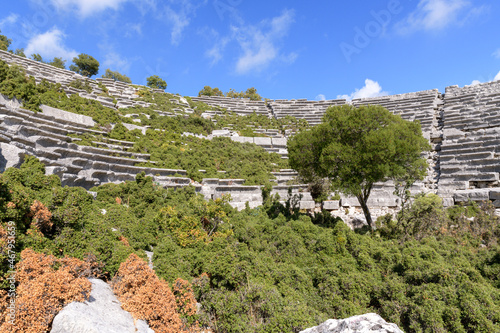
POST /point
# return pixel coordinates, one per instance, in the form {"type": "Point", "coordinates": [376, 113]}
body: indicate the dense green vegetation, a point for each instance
{"type": "Point", "coordinates": [272, 269]}
{"type": "Point", "coordinates": [156, 82]}
{"type": "Point", "coordinates": [85, 65]}
{"type": "Point", "coordinates": [250, 93]}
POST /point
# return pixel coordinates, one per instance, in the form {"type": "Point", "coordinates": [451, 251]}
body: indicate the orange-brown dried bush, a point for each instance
{"type": "Point", "coordinates": [41, 216]}
{"type": "Point", "coordinates": [144, 295]}
{"type": "Point", "coordinates": [184, 297]}
{"type": "Point", "coordinates": [45, 285]}
{"type": "Point", "coordinates": [3, 240]}
{"type": "Point", "coordinates": [124, 240]}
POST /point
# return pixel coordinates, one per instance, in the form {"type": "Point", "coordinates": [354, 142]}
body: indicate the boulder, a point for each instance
{"type": "Point", "coordinates": [369, 323]}
{"type": "Point", "coordinates": [101, 313]}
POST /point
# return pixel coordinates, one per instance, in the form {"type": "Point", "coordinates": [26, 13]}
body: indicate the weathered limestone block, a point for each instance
{"type": "Point", "coordinates": [10, 156]}
{"type": "Point", "coordinates": [495, 194]}
{"type": "Point", "coordinates": [331, 205]}
{"type": "Point", "coordinates": [262, 141]}
{"type": "Point", "coordinates": [101, 313]}
{"type": "Point", "coordinates": [305, 204]}
{"type": "Point", "coordinates": [131, 127]}
{"type": "Point", "coordinates": [218, 133]}
{"type": "Point", "coordinates": [473, 195]}
{"type": "Point", "coordinates": [367, 323]}
{"type": "Point", "coordinates": [279, 142]}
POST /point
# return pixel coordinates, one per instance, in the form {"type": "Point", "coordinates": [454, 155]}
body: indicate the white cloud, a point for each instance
{"type": "Point", "coordinates": [133, 29]}
{"type": "Point", "coordinates": [87, 7]}
{"type": "Point", "coordinates": [179, 16]}
{"type": "Point", "coordinates": [49, 45]}
{"type": "Point", "coordinates": [11, 19]}
{"type": "Point", "coordinates": [432, 15]}
{"type": "Point", "coordinates": [370, 89]}
{"type": "Point", "coordinates": [114, 61]}
{"type": "Point", "coordinates": [497, 77]}
{"type": "Point", "coordinates": [321, 97]}
{"type": "Point", "coordinates": [259, 44]}
{"type": "Point", "coordinates": [215, 53]}
{"type": "Point", "coordinates": [475, 82]}
{"type": "Point", "coordinates": [496, 54]}
{"type": "Point", "coordinates": [179, 22]}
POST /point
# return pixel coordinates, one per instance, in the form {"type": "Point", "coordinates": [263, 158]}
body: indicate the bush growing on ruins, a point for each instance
{"type": "Point", "coordinates": [58, 62]}
{"type": "Point", "coordinates": [156, 82]}
{"type": "Point", "coordinates": [20, 52]}
{"type": "Point", "coordinates": [116, 76]}
{"type": "Point", "coordinates": [208, 91]}
{"type": "Point", "coordinates": [14, 83]}
{"type": "Point", "coordinates": [357, 147]}
{"type": "Point", "coordinates": [85, 65]}
{"type": "Point", "coordinates": [250, 93]}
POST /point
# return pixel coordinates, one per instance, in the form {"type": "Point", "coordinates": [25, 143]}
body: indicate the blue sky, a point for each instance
{"type": "Point", "coordinates": [285, 49]}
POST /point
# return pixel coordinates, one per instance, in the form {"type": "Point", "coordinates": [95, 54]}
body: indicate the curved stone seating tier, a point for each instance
{"type": "Point", "coordinates": [311, 111]}
{"type": "Point", "coordinates": [469, 160]}
{"type": "Point", "coordinates": [40, 70]}
{"type": "Point", "coordinates": [470, 150]}
{"type": "Point", "coordinates": [41, 136]}
{"type": "Point", "coordinates": [473, 107]}
{"type": "Point", "coordinates": [421, 106]}
{"type": "Point", "coordinates": [240, 106]}
{"type": "Point", "coordinates": [271, 145]}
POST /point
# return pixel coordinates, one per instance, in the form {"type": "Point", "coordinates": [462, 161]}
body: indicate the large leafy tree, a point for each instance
{"type": "Point", "coordinates": [156, 82]}
{"type": "Point", "coordinates": [355, 147]}
{"type": "Point", "coordinates": [85, 65]}
{"type": "Point", "coordinates": [116, 76]}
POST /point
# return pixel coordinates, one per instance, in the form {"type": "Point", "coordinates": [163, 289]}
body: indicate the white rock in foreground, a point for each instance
{"type": "Point", "coordinates": [367, 323]}
{"type": "Point", "coordinates": [102, 313]}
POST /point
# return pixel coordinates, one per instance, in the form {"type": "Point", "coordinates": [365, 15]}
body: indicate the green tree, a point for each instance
{"type": "Point", "coordinates": [58, 62]}
{"type": "Point", "coordinates": [116, 76]}
{"type": "Point", "coordinates": [85, 65]}
{"type": "Point", "coordinates": [234, 94]}
{"type": "Point", "coordinates": [37, 57]}
{"type": "Point", "coordinates": [357, 147]}
{"type": "Point", "coordinates": [156, 82]}
{"type": "Point", "coordinates": [4, 42]}
{"type": "Point", "coordinates": [251, 93]}
{"type": "Point", "coordinates": [208, 91]}
{"type": "Point", "coordinates": [20, 52]}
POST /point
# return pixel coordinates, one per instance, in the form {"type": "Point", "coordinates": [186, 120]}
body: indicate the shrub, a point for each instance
{"type": "Point", "coordinates": [147, 297]}
{"type": "Point", "coordinates": [45, 285]}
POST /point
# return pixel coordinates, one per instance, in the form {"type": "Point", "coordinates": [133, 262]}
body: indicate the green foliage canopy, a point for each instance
{"type": "Point", "coordinates": [209, 91]}
{"type": "Point", "coordinates": [58, 62]}
{"type": "Point", "coordinates": [85, 65]}
{"type": "Point", "coordinates": [4, 42]}
{"type": "Point", "coordinates": [356, 147]}
{"type": "Point", "coordinates": [116, 76]}
{"type": "Point", "coordinates": [156, 82]}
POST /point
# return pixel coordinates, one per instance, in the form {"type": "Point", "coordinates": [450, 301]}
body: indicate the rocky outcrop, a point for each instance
{"type": "Point", "coordinates": [367, 323]}
{"type": "Point", "coordinates": [101, 313]}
